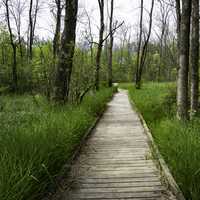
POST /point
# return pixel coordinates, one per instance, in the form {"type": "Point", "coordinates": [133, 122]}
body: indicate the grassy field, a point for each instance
{"type": "Point", "coordinates": [37, 139]}
{"type": "Point", "coordinates": [178, 142]}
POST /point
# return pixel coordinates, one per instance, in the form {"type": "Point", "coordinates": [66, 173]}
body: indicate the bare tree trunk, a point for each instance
{"type": "Point", "coordinates": [66, 54]}
{"type": "Point", "coordinates": [100, 43]}
{"type": "Point", "coordinates": [160, 57]}
{"type": "Point", "coordinates": [178, 16]}
{"type": "Point", "coordinates": [110, 52]}
{"type": "Point", "coordinates": [56, 41]}
{"type": "Point", "coordinates": [139, 43]}
{"type": "Point", "coordinates": [20, 46]}
{"type": "Point", "coordinates": [16, 9]}
{"type": "Point", "coordinates": [32, 25]}
{"type": "Point", "coordinates": [182, 85]}
{"type": "Point", "coordinates": [30, 30]}
{"type": "Point", "coordinates": [14, 48]}
{"type": "Point", "coordinates": [195, 56]}
{"type": "Point", "coordinates": [90, 38]}
{"type": "Point", "coordinates": [164, 27]}
{"type": "Point", "coordinates": [144, 50]}
{"type": "Point", "coordinates": [18, 24]}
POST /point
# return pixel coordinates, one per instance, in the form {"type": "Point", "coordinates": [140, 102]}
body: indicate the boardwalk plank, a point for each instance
{"type": "Point", "coordinates": [116, 195]}
{"type": "Point", "coordinates": [120, 184]}
{"type": "Point", "coordinates": [116, 162]}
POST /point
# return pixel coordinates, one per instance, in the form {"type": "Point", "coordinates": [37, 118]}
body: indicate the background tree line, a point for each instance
{"type": "Point", "coordinates": [65, 69]}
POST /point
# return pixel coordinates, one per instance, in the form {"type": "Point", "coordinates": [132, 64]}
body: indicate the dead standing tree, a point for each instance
{"type": "Point", "coordinates": [141, 56]}
{"type": "Point", "coordinates": [66, 54]}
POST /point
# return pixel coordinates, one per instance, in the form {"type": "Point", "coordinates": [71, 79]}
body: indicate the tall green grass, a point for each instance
{"type": "Point", "coordinates": [178, 142]}
{"type": "Point", "coordinates": [37, 139]}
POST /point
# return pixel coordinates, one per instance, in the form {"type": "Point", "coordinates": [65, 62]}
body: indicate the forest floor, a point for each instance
{"type": "Point", "coordinates": [116, 161]}
{"type": "Point", "coordinates": [178, 142]}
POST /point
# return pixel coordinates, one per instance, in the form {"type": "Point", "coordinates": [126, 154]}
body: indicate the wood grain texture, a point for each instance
{"type": "Point", "coordinates": [116, 161]}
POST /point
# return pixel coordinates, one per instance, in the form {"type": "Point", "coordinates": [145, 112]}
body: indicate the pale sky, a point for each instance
{"type": "Point", "coordinates": [125, 10]}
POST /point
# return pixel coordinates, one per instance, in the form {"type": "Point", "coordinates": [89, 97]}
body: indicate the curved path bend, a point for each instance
{"type": "Point", "coordinates": [116, 162]}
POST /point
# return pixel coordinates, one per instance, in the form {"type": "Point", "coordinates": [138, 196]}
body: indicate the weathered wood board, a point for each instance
{"type": "Point", "coordinates": [116, 161]}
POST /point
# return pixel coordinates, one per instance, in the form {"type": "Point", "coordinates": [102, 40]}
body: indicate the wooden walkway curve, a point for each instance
{"type": "Point", "coordinates": [116, 162]}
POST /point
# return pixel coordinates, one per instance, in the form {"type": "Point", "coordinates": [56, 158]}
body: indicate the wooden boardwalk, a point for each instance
{"type": "Point", "coordinates": [116, 162]}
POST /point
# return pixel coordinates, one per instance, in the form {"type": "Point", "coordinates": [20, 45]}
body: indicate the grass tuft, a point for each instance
{"type": "Point", "coordinates": [37, 139]}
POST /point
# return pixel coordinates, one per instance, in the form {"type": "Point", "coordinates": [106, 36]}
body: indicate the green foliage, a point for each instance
{"type": "Point", "coordinates": [82, 74]}
{"type": "Point", "coordinates": [180, 145]}
{"type": "Point", "coordinates": [178, 142]}
{"type": "Point", "coordinates": [37, 139]}
{"type": "Point", "coordinates": [123, 65]}
{"type": "Point", "coordinates": [5, 56]}
{"type": "Point", "coordinates": [38, 74]}
{"type": "Point", "coordinates": [32, 74]}
{"type": "Point", "coordinates": [152, 101]}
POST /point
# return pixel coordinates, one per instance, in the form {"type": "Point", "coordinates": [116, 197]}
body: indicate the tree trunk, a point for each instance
{"type": "Point", "coordinates": [30, 30]}
{"type": "Point", "coordinates": [182, 85]}
{"type": "Point", "coordinates": [144, 50]}
{"type": "Point", "coordinates": [195, 56]}
{"type": "Point", "coordinates": [139, 46]}
{"type": "Point", "coordinates": [160, 58]}
{"type": "Point", "coordinates": [66, 54]}
{"type": "Point", "coordinates": [178, 30]}
{"type": "Point", "coordinates": [32, 25]}
{"type": "Point", "coordinates": [56, 41]}
{"type": "Point", "coordinates": [100, 44]}
{"type": "Point", "coordinates": [110, 57]}
{"type": "Point", "coordinates": [14, 69]}
{"type": "Point", "coordinates": [14, 48]}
